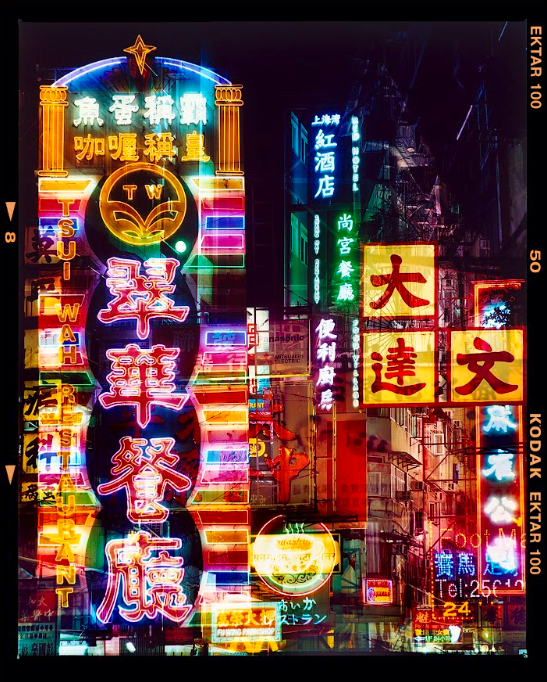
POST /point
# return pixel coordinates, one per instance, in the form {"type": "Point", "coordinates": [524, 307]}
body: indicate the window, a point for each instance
{"type": "Point", "coordinates": [303, 245]}
{"type": "Point", "coordinates": [294, 134]}
{"type": "Point", "coordinates": [378, 484]}
{"type": "Point", "coordinates": [294, 234]}
{"type": "Point", "coordinates": [303, 145]}
{"type": "Point", "coordinates": [398, 480]}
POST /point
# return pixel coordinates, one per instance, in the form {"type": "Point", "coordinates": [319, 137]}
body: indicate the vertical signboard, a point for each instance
{"type": "Point", "coordinates": [141, 223]}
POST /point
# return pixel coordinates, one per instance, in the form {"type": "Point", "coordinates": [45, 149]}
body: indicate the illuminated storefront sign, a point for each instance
{"type": "Point", "coordinates": [324, 158]}
{"type": "Point", "coordinates": [378, 591]}
{"type": "Point", "coordinates": [140, 161]}
{"type": "Point", "coordinates": [150, 584]}
{"type": "Point", "coordinates": [296, 559]}
{"type": "Point", "coordinates": [399, 367]}
{"type": "Point", "coordinates": [496, 302]}
{"type": "Point", "coordinates": [500, 498]}
{"type": "Point", "coordinates": [430, 626]}
{"type": "Point", "coordinates": [496, 359]}
{"type": "Point", "coordinates": [254, 622]}
{"type": "Point", "coordinates": [304, 613]}
{"type": "Point", "coordinates": [346, 272]}
{"type": "Point", "coordinates": [487, 365]}
{"type": "Point", "coordinates": [399, 281]}
{"type": "Point", "coordinates": [325, 356]}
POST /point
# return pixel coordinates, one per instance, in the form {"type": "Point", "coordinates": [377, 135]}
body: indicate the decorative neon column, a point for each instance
{"type": "Point", "coordinates": [53, 101]}
{"type": "Point", "coordinates": [228, 100]}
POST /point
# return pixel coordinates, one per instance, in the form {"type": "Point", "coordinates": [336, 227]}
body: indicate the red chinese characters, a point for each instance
{"type": "Point", "coordinates": [396, 281]}
{"type": "Point", "coordinates": [480, 365]}
{"type": "Point", "coordinates": [401, 362]}
{"type": "Point", "coordinates": [150, 584]}
{"type": "Point", "coordinates": [145, 473]}
{"type": "Point", "coordinates": [142, 297]}
{"type": "Point", "coordinates": [399, 367]}
{"type": "Point", "coordinates": [142, 378]}
{"type": "Point", "coordinates": [286, 466]}
{"type": "Point", "coordinates": [487, 365]}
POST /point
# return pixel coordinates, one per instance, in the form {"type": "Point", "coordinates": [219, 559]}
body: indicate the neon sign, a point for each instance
{"type": "Point", "coordinates": [292, 562]}
{"type": "Point", "coordinates": [355, 158]}
{"type": "Point", "coordinates": [500, 502]}
{"type": "Point", "coordinates": [151, 585]}
{"type": "Point", "coordinates": [325, 354]}
{"type": "Point", "coordinates": [108, 134]}
{"type": "Point", "coordinates": [346, 276]}
{"type": "Point", "coordinates": [316, 260]}
{"type": "Point", "coordinates": [378, 591]}
{"type": "Point", "coordinates": [325, 155]}
{"type": "Point", "coordinates": [255, 622]}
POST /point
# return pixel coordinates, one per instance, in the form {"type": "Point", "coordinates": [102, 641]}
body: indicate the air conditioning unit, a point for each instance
{"type": "Point", "coordinates": [457, 435]}
{"type": "Point", "coordinates": [403, 495]}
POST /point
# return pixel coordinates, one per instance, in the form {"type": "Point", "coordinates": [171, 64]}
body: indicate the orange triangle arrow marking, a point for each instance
{"type": "Point", "coordinates": [10, 470]}
{"type": "Point", "coordinates": [10, 205]}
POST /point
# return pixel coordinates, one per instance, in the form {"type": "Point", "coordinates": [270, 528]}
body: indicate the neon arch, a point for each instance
{"type": "Point", "coordinates": [115, 61]}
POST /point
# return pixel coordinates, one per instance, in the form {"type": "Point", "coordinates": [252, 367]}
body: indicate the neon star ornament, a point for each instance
{"type": "Point", "coordinates": [150, 585]}
{"type": "Point", "coordinates": [139, 50]}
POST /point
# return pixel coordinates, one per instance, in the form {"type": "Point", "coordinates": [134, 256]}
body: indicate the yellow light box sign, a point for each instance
{"type": "Point", "coordinates": [399, 368]}
{"type": "Point", "coordinates": [399, 280]}
{"type": "Point", "coordinates": [256, 622]}
{"type": "Point", "coordinates": [487, 366]}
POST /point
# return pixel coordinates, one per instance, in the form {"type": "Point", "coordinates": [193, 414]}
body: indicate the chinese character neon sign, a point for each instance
{"type": "Point", "coordinates": [346, 274]}
{"type": "Point", "coordinates": [325, 349]}
{"type": "Point", "coordinates": [324, 161]}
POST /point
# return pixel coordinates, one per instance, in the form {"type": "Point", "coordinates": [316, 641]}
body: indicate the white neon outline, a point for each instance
{"type": "Point", "coordinates": [103, 63]}
{"type": "Point", "coordinates": [88, 68]}
{"type": "Point", "coordinates": [300, 594]}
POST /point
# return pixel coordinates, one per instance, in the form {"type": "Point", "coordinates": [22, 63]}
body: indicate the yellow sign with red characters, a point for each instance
{"type": "Point", "coordinates": [399, 368]}
{"type": "Point", "coordinates": [399, 280]}
{"type": "Point", "coordinates": [487, 365]}
{"type": "Point", "coordinates": [255, 622]}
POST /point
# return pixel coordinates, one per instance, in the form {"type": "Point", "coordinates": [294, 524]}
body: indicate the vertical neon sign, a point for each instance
{"type": "Point", "coordinates": [325, 159]}
{"type": "Point", "coordinates": [500, 500]}
{"type": "Point", "coordinates": [355, 158]}
{"type": "Point", "coordinates": [316, 260]}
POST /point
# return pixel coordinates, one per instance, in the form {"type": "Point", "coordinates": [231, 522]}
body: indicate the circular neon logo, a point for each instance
{"type": "Point", "coordinates": [142, 204]}
{"type": "Point", "coordinates": [294, 558]}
